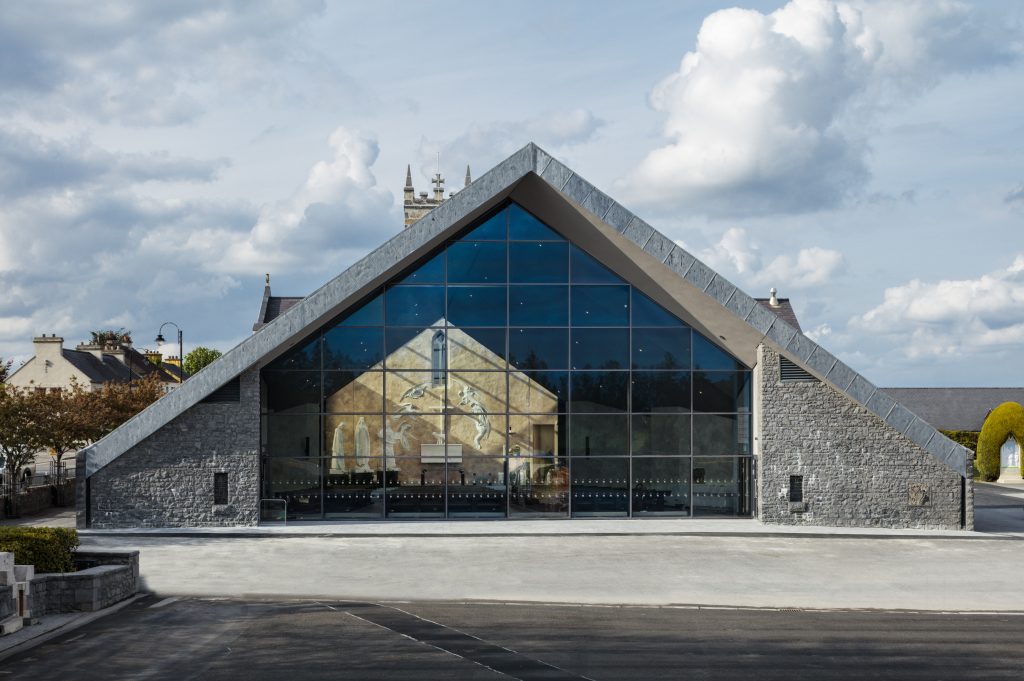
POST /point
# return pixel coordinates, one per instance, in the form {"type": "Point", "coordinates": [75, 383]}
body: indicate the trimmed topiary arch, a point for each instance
{"type": "Point", "coordinates": [1005, 420]}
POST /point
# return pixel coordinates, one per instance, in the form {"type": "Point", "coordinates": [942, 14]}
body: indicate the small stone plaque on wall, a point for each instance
{"type": "Point", "coordinates": [917, 495]}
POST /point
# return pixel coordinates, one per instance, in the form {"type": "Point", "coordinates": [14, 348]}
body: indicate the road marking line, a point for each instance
{"type": "Point", "coordinates": [166, 601]}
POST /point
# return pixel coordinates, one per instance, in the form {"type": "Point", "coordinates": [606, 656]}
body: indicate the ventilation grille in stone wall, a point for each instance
{"type": "Point", "coordinates": [229, 392]}
{"type": "Point", "coordinates": [791, 373]}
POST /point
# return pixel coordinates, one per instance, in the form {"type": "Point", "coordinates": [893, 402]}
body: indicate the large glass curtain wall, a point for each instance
{"type": "Point", "coordinates": [508, 375]}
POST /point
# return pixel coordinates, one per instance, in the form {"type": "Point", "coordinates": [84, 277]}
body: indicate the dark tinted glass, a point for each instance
{"type": "Point", "coordinates": [661, 486]}
{"type": "Point", "coordinates": [602, 435]}
{"type": "Point", "coordinates": [721, 434]}
{"type": "Point", "coordinates": [538, 391]}
{"type": "Point", "coordinates": [305, 356]}
{"type": "Point", "coordinates": [721, 391]}
{"type": "Point", "coordinates": [600, 305]}
{"type": "Point", "coordinates": [493, 229]}
{"type": "Point", "coordinates": [538, 305]}
{"type": "Point", "coordinates": [292, 391]}
{"type": "Point", "coordinates": [353, 348]}
{"type": "Point", "coordinates": [370, 313]}
{"type": "Point", "coordinates": [661, 348]}
{"type": "Point", "coordinates": [600, 348]}
{"type": "Point", "coordinates": [646, 312]}
{"type": "Point", "coordinates": [661, 435]}
{"type": "Point", "coordinates": [600, 487]}
{"type": "Point", "coordinates": [661, 391]}
{"type": "Point", "coordinates": [538, 348]}
{"type": "Point", "coordinates": [409, 348]}
{"type": "Point", "coordinates": [476, 262]}
{"type": "Point", "coordinates": [587, 270]}
{"type": "Point", "coordinates": [524, 227]}
{"type": "Point", "coordinates": [721, 486]}
{"type": "Point", "coordinates": [707, 355]}
{"type": "Point", "coordinates": [476, 348]}
{"type": "Point", "coordinates": [296, 436]}
{"type": "Point", "coordinates": [476, 305]}
{"type": "Point", "coordinates": [599, 391]}
{"type": "Point", "coordinates": [350, 391]}
{"type": "Point", "coordinates": [538, 262]}
{"type": "Point", "coordinates": [415, 305]}
{"type": "Point", "coordinates": [430, 272]}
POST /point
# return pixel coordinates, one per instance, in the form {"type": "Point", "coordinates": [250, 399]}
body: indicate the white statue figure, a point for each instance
{"type": "Point", "coordinates": [338, 450]}
{"type": "Point", "coordinates": [439, 438]}
{"type": "Point", "coordinates": [468, 398]}
{"type": "Point", "coordinates": [362, 447]}
{"type": "Point", "coordinates": [407, 408]}
{"type": "Point", "coordinates": [417, 392]}
{"type": "Point", "coordinates": [392, 437]}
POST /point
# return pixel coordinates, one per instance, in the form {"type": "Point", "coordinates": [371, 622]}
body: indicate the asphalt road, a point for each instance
{"type": "Point", "coordinates": [257, 640]}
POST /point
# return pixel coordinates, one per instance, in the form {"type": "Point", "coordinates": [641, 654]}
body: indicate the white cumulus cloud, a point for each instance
{"type": "Point", "coordinates": [809, 267]}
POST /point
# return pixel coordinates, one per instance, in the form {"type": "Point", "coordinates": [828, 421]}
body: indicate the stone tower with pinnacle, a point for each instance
{"type": "Point", "coordinates": [416, 206]}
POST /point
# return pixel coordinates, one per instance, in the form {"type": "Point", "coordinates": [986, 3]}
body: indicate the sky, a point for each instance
{"type": "Point", "coordinates": [864, 158]}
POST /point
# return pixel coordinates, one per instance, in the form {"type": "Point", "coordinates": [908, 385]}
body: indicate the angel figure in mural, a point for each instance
{"type": "Point", "coordinates": [417, 391]}
{"type": "Point", "coordinates": [338, 449]}
{"type": "Point", "coordinates": [362, 447]}
{"type": "Point", "coordinates": [392, 437]}
{"type": "Point", "coordinates": [468, 398]}
{"type": "Point", "coordinates": [407, 408]}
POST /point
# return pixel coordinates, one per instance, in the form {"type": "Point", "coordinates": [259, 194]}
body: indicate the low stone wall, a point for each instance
{"type": "Point", "coordinates": [36, 499]}
{"type": "Point", "coordinates": [112, 578]}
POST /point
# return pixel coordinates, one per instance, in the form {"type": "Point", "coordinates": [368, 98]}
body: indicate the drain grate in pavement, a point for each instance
{"type": "Point", "coordinates": [464, 645]}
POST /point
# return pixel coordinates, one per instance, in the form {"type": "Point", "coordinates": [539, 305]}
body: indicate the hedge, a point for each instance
{"type": "Point", "coordinates": [967, 438]}
{"type": "Point", "coordinates": [1005, 420]}
{"type": "Point", "coordinates": [50, 549]}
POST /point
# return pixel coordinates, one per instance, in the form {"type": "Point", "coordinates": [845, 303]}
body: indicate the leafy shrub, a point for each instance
{"type": "Point", "coordinates": [50, 549]}
{"type": "Point", "coordinates": [966, 438]}
{"type": "Point", "coordinates": [1005, 420]}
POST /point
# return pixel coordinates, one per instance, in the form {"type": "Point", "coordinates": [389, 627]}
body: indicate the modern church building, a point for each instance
{"type": "Point", "coordinates": [527, 349]}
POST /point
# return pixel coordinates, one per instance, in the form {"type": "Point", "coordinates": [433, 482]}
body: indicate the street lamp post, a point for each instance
{"type": "Point", "coordinates": [181, 354]}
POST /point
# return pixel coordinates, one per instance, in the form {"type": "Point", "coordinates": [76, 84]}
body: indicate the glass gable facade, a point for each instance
{"type": "Point", "coordinates": [509, 374]}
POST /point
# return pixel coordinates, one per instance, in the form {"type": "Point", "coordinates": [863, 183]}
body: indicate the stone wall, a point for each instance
{"type": "Point", "coordinates": [167, 479]}
{"type": "Point", "coordinates": [41, 497]}
{"type": "Point", "coordinates": [114, 579]}
{"type": "Point", "coordinates": [857, 470]}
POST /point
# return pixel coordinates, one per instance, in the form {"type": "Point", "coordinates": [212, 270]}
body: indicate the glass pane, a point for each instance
{"type": "Point", "coordinates": [587, 270]}
{"type": "Point", "coordinates": [477, 392]}
{"type": "Point", "coordinates": [292, 391]}
{"type": "Point", "coordinates": [661, 348]}
{"type": "Point", "coordinates": [492, 229]}
{"type": "Point", "coordinates": [721, 486]}
{"type": "Point", "coordinates": [522, 226]}
{"type": "Point", "coordinates": [294, 436]}
{"type": "Point", "coordinates": [661, 391]}
{"type": "Point", "coordinates": [351, 392]}
{"type": "Point", "coordinates": [536, 262]}
{"type": "Point", "coordinates": [353, 348]}
{"type": "Point", "coordinates": [538, 305]}
{"type": "Point", "coordinates": [604, 435]}
{"type": "Point", "coordinates": [538, 487]}
{"type": "Point", "coordinates": [707, 355]}
{"type": "Point", "coordinates": [646, 312]}
{"type": "Point", "coordinates": [721, 391]}
{"type": "Point", "coordinates": [476, 305]}
{"type": "Point", "coordinates": [661, 434]}
{"type": "Point", "coordinates": [661, 486]}
{"type": "Point", "coordinates": [305, 356]}
{"type": "Point", "coordinates": [721, 434]}
{"type": "Point", "coordinates": [600, 348]}
{"type": "Point", "coordinates": [599, 391]}
{"type": "Point", "coordinates": [415, 306]}
{"type": "Point", "coordinates": [537, 435]}
{"type": "Point", "coordinates": [430, 272]}
{"type": "Point", "coordinates": [538, 348]}
{"type": "Point", "coordinates": [600, 487]}
{"type": "Point", "coordinates": [418, 437]}
{"type": "Point", "coordinates": [476, 488]}
{"type": "Point", "coordinates": [352, 443]}
{"type": "Point", "coordinates": [297, 481]}
{"type": "Point", "coordinates": [354, 494]}
{"type": "Point", "coordinates": [600, 305]}
{"type": "Point", "coordinates": [370, 313]}
{"type": "Point", "coordinates": [476, 262]}
{"type": "Point", "coordinates": [476, 348]}
{"type": "Point", "coordinates": [477, 434]}
{"type": "Point", "coordinates": [538, 391]}
{"type": "Point", "coordinates": [412, 348]}
{"type": "Point", "coordinates": [414, 392]}
{"type": "Point", "coordinates": [416, 490]}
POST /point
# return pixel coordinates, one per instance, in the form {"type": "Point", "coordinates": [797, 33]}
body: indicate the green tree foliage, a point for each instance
{"type": "Point", "coordinates": [5, 369]}
{"type": "Point", "coordinates": [111, 336]}
{"type": "Point", "coordinates": [199, 358]}
{"type": "Point", "coordinates": [1005, 420]}
{"type": "Point", "coordinates": [19, 438]}
{"type": "Point", "coordinates": [967, 438]}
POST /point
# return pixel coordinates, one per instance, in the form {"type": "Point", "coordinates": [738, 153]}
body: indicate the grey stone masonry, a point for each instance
{"type": "Point", "coordinates": [113, 579]}
{"type": "Point", "coordinates": [857, 470]}
{"type": "Point", "coordinates": [167, 479]}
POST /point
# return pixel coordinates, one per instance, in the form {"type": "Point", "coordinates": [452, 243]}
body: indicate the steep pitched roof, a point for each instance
{"type": "Point", "coordinates": [559, 196]}
{"type": "Point", "coordinates": [955, 408]}
{"type": "Point", "coordinates": [95, 369]}
{"type": "Point", "coordinates": [784, 310]}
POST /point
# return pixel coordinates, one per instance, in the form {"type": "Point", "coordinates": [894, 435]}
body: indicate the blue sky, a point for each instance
{"type": "Point", "coordinates": [867, 159]}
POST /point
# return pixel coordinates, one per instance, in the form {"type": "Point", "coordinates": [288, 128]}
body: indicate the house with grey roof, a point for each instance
{"type": "Point", "coordinates": [529, 348]}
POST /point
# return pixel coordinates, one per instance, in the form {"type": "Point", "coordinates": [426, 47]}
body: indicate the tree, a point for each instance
{"type": "Point", "coordinates": [65, 420]}
{"type": "Point", "coordinates": [111, 336]}
{"type": "Point", "coordinates": [19, 439]}
{"type": "Point", "coordinates": [199, 358]}
{"type": "Point", "coordinates": [115, 403]}
{"type": "Point", "coordinates": [5, 370]}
